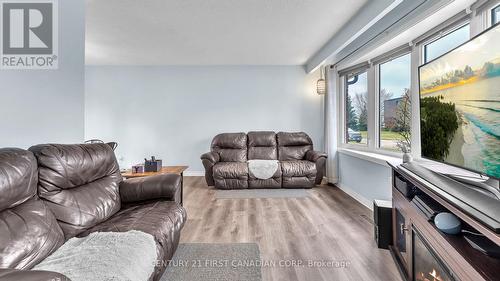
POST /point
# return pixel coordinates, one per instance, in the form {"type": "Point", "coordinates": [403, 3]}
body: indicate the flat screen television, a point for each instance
{"type": "Point", "coordinates": [460, 105]}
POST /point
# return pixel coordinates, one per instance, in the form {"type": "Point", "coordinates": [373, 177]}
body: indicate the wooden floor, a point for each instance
{"type": "Point", "coordinates": [328, 226]}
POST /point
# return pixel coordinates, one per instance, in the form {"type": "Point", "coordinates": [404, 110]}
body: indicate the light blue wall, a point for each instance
{"type": "Point", "coordinates": [173, 112]}
{"type": "Point", "coordinates": [39, 106]}
{"type": "Point", "coordinates": [367, 179]}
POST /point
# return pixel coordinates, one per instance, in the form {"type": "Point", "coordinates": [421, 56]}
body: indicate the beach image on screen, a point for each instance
{"type": "Point", "coordinates": [460, 105]}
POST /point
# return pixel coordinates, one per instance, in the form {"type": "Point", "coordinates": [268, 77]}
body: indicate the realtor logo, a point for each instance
{"type": "Point", "coordinates": [28, 34]}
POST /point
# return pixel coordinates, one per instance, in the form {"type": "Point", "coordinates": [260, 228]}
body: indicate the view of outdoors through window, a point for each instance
{"type": "Point", "coordinates": [446, 43]}
{"type": "Point", "coordinates": [357, 109]}
{"type": "Point", "coordinates": [495, 15]}
{"type": "Point", "coordinates": [395, 110]}
{"type": "Point", "coordinates": [394, 106]}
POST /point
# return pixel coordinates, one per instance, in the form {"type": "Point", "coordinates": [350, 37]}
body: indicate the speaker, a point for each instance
{"type": "Point", "coordinates": [382, 218]}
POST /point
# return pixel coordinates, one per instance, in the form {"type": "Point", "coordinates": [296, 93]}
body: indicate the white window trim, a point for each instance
{"type": "Point", "coordinates": [343, 113]}
{"type": "Point", "coordinates": [371, 156]}
{"type": "Point", "coordinates": [478, 23]}
{"type": "Point", "coordinates": [416, 59]}
{"type": "Point", "coordinates": [444, 32]}
{"type": "Point", "coordinates": [489, 14]}
{"type": "Point", "coordinates": [372, 108]}
{"type": "Point", "coordinates": [376, 67]}
{"type": "Point", "coordinates": [373, 135]}
{"type": "Point", "coordinates": [485, 14]}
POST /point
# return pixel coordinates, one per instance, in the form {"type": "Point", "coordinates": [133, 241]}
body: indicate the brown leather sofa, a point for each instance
{"type": "Point", "coordinates": [54, 192]}
{"type": "Point", "coordinates": [299, 165]}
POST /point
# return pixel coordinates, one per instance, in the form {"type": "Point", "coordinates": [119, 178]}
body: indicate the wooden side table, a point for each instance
{"type": "Point", "coordinates": [178, 170]}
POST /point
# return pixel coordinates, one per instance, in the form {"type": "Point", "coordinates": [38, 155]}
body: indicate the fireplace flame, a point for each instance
{"type": "Point", "coordinates": [430, 276]}
{"type": "Point", "coordinates": [435, 275]}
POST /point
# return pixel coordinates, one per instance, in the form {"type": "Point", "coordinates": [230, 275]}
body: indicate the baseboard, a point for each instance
{"type": "Point", "coordinates": [194, 173]}
{"type": "Point", "coordinates": [331, 180]}
{"type": "Point", "coordinates": [356, 196]}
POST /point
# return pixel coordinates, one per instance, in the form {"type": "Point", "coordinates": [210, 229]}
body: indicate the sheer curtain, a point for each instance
{"type": "Point", "coordinates": [331, 122]}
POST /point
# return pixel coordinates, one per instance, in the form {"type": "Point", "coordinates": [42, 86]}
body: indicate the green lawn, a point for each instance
{"type": "Point", "coordinates": [388, 135]}
{"type": "Point", "coordinates": [384, 135]}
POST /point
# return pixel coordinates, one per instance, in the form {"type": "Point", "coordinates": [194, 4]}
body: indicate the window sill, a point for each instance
{"type": "Point", "coordinates": [373, 157]}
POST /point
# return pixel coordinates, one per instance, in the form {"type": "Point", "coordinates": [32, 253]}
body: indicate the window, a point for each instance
{"type": "Point", "coordinates": [446, 43]}
{"type": "Point", "coordinates": [356, 109]}
{"type": "Point", "coordinates": [495, 15]}
{"type": "Point", "coordinates": [394, 106]}
{"type": "Point", "coordinates": [377, 93]}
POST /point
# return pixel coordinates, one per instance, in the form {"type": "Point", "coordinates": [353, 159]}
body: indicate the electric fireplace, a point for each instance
{"type": "Point", "coordinates": [426, 264]}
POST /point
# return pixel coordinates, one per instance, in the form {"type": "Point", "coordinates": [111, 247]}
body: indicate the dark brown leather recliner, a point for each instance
{"type": "Point", "coordinates": [54, 192]}
{"type": "Point", "coordinates": [299, 165]}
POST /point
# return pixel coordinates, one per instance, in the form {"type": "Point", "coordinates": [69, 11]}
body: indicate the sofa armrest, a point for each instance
{"type": "Point", "coordinates": [213, 157]}
{"type": "Point", "coordinates": [7, 274]}
{"type": "Point", "coordinates": [208, 160]}
{"type": "Point", "coordinates": [319, 158]}
{"type": "Point", "coordinates": [313, 155]}
{"type": "Point", "coordinates": [166, 186]}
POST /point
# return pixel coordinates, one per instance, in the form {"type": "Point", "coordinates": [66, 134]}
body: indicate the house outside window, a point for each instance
{"type": "Point", "coordinates": [377, 93]}
{"type": "Point", "coordinates": [394, 106]}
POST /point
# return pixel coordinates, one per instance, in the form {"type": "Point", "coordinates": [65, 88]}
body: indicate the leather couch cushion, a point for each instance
{"type": "Point", "coordinates": [28, 230]}
{"type": "Point", "coordinates": [298, 182]}
{"type": "Point", "coordinates": [162, 219]}
{"type": "Point", "coordinates": [262, 145]}
{"type": "Point", "coordinates": [298, 168]}
{"type": "Point", "coordinates": [28, 234]}
{"type": "Point", "coordinates": [18, 177]}
{"type": "Point", "coordinates": [273, 182]}
{"type": "Point", "coordinates": [231, 147]}
{"type": "Point", "coordinates": [79, 183]}
{"type": "Point", "coordinates": [231, 175]}
{"type": "Point", "coordinates": [8, 274]}
{"type": "Point", "coordinates": [293, 146]}
{"type": "Point", "coordinates": [298, 174]}
{"type": "Point", "coordinates": [261, 138]}
{"type": "Point", "coordinates": [231, 170]}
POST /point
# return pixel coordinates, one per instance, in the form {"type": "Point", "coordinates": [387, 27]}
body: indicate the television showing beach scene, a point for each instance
{"type": "Point", "coordinates": [460, 105]}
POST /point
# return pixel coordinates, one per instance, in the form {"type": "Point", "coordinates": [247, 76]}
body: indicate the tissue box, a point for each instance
{"type": "Point", "coordinates": [152, 166]}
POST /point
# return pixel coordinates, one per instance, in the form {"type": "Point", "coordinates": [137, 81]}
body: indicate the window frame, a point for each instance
{"type": "Point", "coordinates": [378, 123]}
{"type": "Point", "coordinates": [492, 15]}
{"type": "Point", "coordinates": [344, 128]}
{"type": "Point", "coordinates": [417, 58]}
{"type": "Point", "coordinates": [443, 33]}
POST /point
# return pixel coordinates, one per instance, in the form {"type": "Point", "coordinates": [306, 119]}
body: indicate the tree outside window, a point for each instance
{"type": "Point", "coordinates": [357, 109]}
{"type": "Point", "coordinates": [395, 106]}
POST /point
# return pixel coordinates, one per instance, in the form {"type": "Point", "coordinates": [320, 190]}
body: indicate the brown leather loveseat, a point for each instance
{"type": "Point", "coordinates": [55, 192]}
{"type": "Point", "coordinates": [299, 165]}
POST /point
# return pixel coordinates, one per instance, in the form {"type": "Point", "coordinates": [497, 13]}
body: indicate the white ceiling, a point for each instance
{"type": "Point", "coordinates": [211, 32]}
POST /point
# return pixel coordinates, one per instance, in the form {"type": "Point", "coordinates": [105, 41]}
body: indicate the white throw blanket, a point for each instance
{"type": "Point", "coordinates": [263, 169]}
{"type": "Point", "coordinates": [105, 256]}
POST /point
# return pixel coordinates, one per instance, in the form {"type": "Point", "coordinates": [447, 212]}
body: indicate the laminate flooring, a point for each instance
{"type": "Point", "coordinates": [325, 236]}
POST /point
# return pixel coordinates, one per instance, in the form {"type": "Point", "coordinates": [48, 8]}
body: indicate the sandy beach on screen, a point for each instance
{"type": "Point", "coordinates": [456, 156]}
